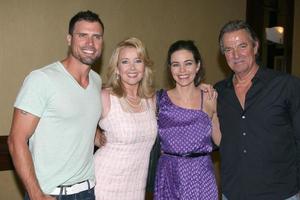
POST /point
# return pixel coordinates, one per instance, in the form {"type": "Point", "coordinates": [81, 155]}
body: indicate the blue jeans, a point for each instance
{"type": "Point", "coordinates": [295, 197]}
{"type": "Point", "coordinates": [84, 195]}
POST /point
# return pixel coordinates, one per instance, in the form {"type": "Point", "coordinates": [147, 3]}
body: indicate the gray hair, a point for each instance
{"type": "Point", "coordinates": [236, 25]}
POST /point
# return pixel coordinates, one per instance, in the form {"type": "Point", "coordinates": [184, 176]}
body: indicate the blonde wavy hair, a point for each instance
{"type": "Point", "coordinates": [145, 89]}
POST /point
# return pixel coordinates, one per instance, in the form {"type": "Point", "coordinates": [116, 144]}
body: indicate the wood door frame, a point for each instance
{"type": "Point", "coordinates": [5, 159]}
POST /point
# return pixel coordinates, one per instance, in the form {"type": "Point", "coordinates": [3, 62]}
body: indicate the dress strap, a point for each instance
{"type": "Point", "coordinates": [158, 98]}
{"type": "Point", "coordinates": [201, 93]}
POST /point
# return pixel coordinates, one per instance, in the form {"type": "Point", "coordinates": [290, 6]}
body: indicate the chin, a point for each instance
{"type": "Point", "coordinates": [186, 84]}
{"type": "Point", "coordinates": [88, 61]}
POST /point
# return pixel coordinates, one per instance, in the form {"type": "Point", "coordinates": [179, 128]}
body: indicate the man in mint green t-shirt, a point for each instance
{"type": "Point", "coordinates": [57, 111]}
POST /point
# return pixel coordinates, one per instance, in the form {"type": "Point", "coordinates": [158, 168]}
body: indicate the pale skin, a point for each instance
{"type": "Point", "coordinates": [186, 94]}
{"type": "Point", "coordinates": [240, 51]}
{"type": "Point", "coordinates": [85, 44]}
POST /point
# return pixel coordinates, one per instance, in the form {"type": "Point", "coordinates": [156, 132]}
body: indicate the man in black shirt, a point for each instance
{"type": "Point", "coordinates": [259, 113]}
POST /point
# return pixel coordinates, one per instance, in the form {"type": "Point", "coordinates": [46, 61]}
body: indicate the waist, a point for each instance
{"type": "Point", "coordinates": [187, 155]}
{"type": "Point", "coordinates": [73, 189]}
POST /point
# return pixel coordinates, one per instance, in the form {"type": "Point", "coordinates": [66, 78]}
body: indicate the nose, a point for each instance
{"type": "Point", "coordinates": [90, 41]}
{"type": "Point", "coordinates": [132, 65]}
{"type": "Point", "coordinates": [235, 53]}
{"type": "Point", "coordinates": [182, 68]}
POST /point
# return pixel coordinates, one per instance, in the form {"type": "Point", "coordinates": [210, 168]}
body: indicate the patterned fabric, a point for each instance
{"type": "Point", "coordinates": [121, 165]}
{"type": "Point", "coordinates": [183, 131]}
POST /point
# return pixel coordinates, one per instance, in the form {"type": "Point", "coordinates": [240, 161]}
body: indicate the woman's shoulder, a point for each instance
{"type": "Point", "coordinates": [105, 97]}
{"type": "Point", "coordinates": [107, 92]}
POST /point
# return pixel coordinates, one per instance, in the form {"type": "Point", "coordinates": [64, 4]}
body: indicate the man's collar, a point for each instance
{"type": "Point", "coordinates": [260, 75]}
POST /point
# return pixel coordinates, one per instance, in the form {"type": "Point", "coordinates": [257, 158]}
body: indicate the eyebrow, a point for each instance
{"type": "Point", "coordinates": [189, 60]}
{"type": "Point", "coordinates": [98, 34]}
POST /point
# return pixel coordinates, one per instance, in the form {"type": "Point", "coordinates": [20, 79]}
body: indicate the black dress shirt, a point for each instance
{"type": "Point", "coordinates": [260, 146]}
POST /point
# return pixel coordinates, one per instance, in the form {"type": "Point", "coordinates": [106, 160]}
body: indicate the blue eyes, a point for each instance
{"type": "Point", "coordinates": [243, 46]}
{"type": "Point", "coordinates": [227, 50]}
{"type": "Point", "coordinates": [239, 47]}
{"type": "Point", "coordinates": [137, 61]}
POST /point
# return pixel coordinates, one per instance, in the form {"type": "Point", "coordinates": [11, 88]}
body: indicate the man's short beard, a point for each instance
{"type": "Point", "coordinates": [88, 61]}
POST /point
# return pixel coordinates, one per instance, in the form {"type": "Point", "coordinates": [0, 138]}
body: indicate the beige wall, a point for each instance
{"type": "Point", "coordinates": [33, 34]}
{"type": "Point", "coordinates": [10, 186]}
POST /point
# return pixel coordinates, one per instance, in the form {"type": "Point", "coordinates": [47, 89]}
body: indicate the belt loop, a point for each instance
{"type": "Point", "coordinates": [60, 193]}
{"type": "Point", "coordinates": [89, 186]}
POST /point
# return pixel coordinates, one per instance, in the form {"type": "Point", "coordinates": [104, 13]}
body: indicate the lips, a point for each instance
{"type": "Point", "coordinates": [88, 50]}
{"type": "Point", "coordinates": [183, 76]}
{"type": "Point", "coordinates": [236, 62]}
{"type": "Point", "coordinates": [132, 75]}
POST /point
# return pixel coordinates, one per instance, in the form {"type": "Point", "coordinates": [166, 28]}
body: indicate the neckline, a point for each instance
{"type": "Point", "coordinates": [177, 106]}
{"type": "Point", "coordinates": [143, 101]}
{"type": "Point", "coordinates": [73, 79]}
{"type": "Point", "coordinates": [182, 108]}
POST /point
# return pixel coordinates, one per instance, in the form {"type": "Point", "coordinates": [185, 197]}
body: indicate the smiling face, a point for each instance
{"type": "Point", "coordinates": [130, 67]}
{"type": "Point", "coordinates": [183, 68]}
{"type": "Point", "coordinates": [240, 51]}
{"type": "Point", "coordinates": [86, 42]}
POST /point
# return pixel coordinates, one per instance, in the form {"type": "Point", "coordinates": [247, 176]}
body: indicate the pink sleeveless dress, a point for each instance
{"type": "Point", "coordinates": [121, 165]}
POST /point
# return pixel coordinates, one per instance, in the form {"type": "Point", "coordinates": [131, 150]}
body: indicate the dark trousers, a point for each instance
{"type": "Point", "coordinates": [84, 195]}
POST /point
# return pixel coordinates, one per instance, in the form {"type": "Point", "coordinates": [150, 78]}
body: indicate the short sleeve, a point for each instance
{"type": "Point", "coordinates": [34, 93]}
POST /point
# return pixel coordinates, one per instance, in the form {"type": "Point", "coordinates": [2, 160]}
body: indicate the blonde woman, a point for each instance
{"type": "Point", "coordinates": [129, 124]}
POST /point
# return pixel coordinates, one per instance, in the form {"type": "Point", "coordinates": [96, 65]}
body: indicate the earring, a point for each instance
{"type": "Point", "coordinates": [117, 76]}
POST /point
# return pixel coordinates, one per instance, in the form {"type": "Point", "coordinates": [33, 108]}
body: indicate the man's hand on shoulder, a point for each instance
{"type": "Point", "coordinates": [209, 89]}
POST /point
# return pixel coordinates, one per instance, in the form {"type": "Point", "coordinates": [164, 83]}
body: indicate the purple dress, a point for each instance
{"type": "Point", "coordinates": [183, 131]}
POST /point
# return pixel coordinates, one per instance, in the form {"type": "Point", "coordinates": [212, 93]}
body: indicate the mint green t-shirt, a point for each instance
{"type": "Point", "coordinates": [63, 142]}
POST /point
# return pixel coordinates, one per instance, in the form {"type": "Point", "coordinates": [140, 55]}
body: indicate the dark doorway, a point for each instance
{"type": "Point", "coordinates": [262, 14]}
